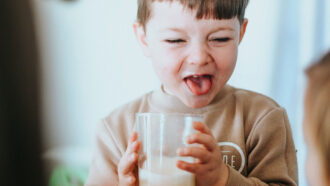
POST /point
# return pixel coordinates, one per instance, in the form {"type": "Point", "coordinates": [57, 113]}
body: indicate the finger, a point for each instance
{"type": "Point", "coordinates": [134, 147]}
{"type": "Point", "coordinates": [201, 128]}
{"type": "Point", "coordinates": [195, 168]}
{"type": "Point", "coordinates": [197, 152]}
{"type": "Point", "coordinates": [128, 179]}
{"type": "Point", "coordinates": [205, 139]}
{"type": "Point", "coordinates": [133, 138]}
{"type": "Point", "coordinates": [127, 163]}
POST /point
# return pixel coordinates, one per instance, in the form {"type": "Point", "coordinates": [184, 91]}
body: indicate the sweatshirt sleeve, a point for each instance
{"type": "Point", "coordinates": [271, 153]}
{"type": "Point", "coordinates": [103, 169]}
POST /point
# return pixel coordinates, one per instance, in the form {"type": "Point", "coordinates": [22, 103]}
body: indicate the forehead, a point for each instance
{"type": "Point", "coordinates": [166, 14]}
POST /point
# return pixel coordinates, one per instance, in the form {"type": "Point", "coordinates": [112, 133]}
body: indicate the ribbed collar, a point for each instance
{"type": "Point", "coordinates": [160, 101]}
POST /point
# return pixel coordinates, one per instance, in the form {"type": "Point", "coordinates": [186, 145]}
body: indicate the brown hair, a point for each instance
{"type": "Point", "coordinates": [217, 9]}
{"type": "Point", "coordinates": [318, 102]}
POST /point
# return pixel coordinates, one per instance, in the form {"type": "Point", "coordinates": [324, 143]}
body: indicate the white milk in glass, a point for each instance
{"type": "Point", "coordinates": [163, 172]}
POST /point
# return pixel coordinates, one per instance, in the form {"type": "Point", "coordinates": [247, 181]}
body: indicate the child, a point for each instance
{"type": "Point", "coordinates": [317, 122]}
{"type": "Point", "coordinates": [193, 47]}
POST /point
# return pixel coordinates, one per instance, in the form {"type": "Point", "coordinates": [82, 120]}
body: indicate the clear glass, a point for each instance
{"type": "Point", "coordinates": [160, 136]}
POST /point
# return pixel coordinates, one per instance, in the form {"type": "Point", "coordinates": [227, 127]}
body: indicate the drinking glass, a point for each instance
{"type": "Point", "coordinates": [160, 136]}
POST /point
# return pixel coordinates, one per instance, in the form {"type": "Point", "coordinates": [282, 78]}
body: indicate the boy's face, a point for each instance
{"type": "Point", "coordinates": [192, 58]}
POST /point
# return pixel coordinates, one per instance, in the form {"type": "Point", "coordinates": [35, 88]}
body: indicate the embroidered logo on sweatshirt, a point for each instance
{"type": "Point", "coordinates": [232, 155]}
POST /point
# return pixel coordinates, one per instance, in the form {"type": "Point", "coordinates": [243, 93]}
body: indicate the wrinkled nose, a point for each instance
{"type": "Point", "coordinates": [198, 54]}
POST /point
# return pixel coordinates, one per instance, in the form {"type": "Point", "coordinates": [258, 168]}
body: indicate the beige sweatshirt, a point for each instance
{"type": "Point", "coordinates": [252, 131]}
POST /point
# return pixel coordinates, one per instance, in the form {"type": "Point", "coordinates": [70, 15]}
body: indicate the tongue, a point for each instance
{"type": "Point", "coordinates": [199, 85]}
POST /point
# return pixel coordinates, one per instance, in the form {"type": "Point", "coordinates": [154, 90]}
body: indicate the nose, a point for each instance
{"type": "Point", "coordinates": [198, 54]}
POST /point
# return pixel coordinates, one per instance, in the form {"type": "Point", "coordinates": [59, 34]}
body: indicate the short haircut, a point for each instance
{"type": "Point", "coordinates": [216, 9]}
{"type": "Point", "coordinates": [318, 99]}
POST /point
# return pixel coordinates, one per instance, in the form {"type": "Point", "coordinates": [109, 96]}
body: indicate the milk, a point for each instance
{"type": "Point", "coordinates": [163, 172]}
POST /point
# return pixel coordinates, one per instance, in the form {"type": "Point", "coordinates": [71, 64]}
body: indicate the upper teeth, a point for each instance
{"type": "Point", "coordinates": [194, 76]}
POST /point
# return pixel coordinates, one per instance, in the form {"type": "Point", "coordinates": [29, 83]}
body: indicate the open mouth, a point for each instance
{"type": "Point", "coordinates": [199, 84]}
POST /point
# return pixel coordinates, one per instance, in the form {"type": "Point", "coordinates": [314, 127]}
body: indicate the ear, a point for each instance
{"type": "Point", "coordinates": [243, 28]}
{"type": "Point", "coordinates": [141, 38]}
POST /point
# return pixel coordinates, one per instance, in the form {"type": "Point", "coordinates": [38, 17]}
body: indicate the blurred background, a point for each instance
{"type": "Point", "coordinates": [86, 62]}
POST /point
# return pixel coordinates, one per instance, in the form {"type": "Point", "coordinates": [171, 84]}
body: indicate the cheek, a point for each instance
{"type": "Point", "coordinates": [165, 70]}
{"type": "Point", "coordinates": [160, 70]}
{"type": "Point", "coordinates": [226, 60]}
{"type": "Point", "coordinates": [166, 60]}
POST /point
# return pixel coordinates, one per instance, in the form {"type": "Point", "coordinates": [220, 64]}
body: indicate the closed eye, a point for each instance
{"type": "Point", "coordinates": [224, 39]}
{"type": "Point", "coordinates": [174, 40]}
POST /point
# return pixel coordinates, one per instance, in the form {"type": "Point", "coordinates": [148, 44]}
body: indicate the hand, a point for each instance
{"type": "Point", "coordinates": [127, 167]}
{"type": "Point", "coordinates": [208, 168]}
